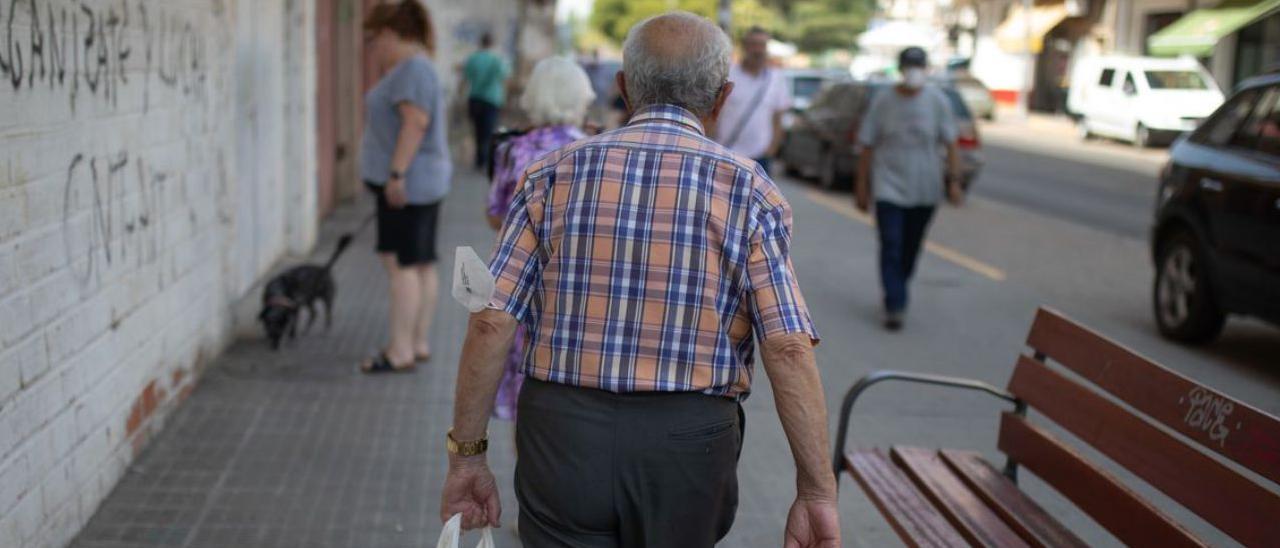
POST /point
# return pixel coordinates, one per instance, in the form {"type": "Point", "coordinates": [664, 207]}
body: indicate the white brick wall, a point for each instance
{"type": "Point", "coordinates": [156, 157]}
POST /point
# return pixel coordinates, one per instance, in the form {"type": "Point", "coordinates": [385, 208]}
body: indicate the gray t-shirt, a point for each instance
{"type": "Point", "coordinates": [909, 136]}
{"type": "Point", "coordinates": [414, 80]}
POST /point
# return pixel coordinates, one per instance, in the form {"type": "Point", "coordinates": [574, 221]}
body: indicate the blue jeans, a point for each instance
{"type": "Point", "coordinates": [902, 232]}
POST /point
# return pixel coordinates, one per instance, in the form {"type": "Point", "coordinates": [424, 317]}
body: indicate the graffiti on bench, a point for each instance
{"type": "Point", "coordinates": [1208, 413]}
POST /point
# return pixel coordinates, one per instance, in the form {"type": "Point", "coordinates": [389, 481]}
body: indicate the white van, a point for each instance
{"type": "Point", "coordinates": [1141, 99]}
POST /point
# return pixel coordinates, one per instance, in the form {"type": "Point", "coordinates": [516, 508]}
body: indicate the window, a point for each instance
{"type": "Point", "coordinates": [1175, 79]}
{"type": "Point", "coordinates": [1108, 75]}
{"type": "Point", "coordinates": [1262, 131]}
{"type": "Point", "coordinates": [1220, 129]}
{"type": "Point", "coordinates": [1247, 135]}
{"type": "Point", "coordinates": [1130, 87]}
{"type": "Point", "coordinates": [805, 86]}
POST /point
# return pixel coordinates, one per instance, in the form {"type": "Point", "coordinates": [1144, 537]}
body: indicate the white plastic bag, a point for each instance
{"type": "Point", "coordinates": [451, 535]}
{"type": "Point", "coordinates": [472, 282]}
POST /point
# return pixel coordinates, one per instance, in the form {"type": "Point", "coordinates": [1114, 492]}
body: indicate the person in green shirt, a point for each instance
{"type": "Point", "coordinates": [485, 74]}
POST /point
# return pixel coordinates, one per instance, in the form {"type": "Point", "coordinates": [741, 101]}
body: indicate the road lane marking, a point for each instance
{"type": "Point", "coordinates": [845, 208]}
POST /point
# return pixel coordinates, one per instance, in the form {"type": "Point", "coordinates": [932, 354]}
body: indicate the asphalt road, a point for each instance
{"type": "Point", "coordinates": [1100, 184]}
{"type": "Point", "coordinates": [1053, 222]}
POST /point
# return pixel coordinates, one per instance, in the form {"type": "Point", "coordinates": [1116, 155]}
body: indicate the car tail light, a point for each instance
{"type": "Point", "coordinates": [968, 141]}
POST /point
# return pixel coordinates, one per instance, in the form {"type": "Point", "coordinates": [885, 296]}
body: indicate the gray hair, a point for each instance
{"type": "Point", "coordinates": [676, 58]}
{"type": "Point", "coordinates": [558, 93]}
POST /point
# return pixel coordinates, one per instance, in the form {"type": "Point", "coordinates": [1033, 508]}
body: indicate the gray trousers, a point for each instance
{"type": "Point", "coordinates": [596, 468]}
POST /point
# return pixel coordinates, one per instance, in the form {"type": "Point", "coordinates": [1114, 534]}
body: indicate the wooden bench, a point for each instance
{"type": "Point", "coordinates": [1180, 437]}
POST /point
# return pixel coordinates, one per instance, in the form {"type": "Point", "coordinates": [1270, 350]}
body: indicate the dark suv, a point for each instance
{"type": "Point", "coordinates": [1217, 233]}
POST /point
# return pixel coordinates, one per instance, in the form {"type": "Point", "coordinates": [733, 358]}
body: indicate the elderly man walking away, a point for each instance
{"type": "Point", "coordinates": [902, 138]}
{"type": "Point", "coordinates": [642, 262]}
{"type": "Point", "coordinates": [751, 123]}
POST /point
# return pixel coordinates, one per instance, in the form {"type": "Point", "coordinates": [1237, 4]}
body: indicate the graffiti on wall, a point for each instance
{"type": "Point", "coordinates": [93, 49]}
{"type": "Point", "coordinates": [118, 201]}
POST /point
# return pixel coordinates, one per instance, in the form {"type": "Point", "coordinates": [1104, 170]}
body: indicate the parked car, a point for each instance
{"type": "Point", "coordinates": [977, 96]}
{"type": "Point", "coordinates": [1143, 100]}
{"type": "Point", "coordinates": [821, 144]}
{"type": "Point", "coordinates": [1216, 239]}
{"type": "Point", "coordinates": [804, 85]}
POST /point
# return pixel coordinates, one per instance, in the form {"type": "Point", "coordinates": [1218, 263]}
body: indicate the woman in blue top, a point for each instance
{"type": "Point", "coordinates": [404, 160]}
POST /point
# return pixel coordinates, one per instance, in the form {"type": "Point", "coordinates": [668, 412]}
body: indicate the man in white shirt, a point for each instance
{"type": "Point", "coordinates": [751, 121]}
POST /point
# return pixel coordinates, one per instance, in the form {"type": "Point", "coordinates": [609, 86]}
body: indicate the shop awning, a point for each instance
{"type": "Point", "coordinates": [1197, 33]}
{"type": "Point", "coordinates": [1012, 35]}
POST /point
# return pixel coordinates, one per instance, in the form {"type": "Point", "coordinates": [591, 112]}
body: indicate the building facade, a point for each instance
{"type": "Point", "coordinates": [158, 158]}
{"type": "Point", "coordinates": [1233, 39]}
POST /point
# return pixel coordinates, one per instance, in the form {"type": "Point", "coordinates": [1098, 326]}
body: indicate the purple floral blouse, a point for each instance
{"type": "Point", "coordinates": [515, 155]}
{"type": "Point", "coordinates": [512, 159]}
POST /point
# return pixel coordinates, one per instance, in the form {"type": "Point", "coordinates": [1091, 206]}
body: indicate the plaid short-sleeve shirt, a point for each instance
{"type": "Point", "coordinates": [645, 259]}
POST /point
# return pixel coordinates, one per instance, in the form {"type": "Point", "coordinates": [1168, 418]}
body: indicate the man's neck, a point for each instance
{"type": "Point", "coordinates": [906, 91]}
{"type": "Point", "coordinates": [753, 69]}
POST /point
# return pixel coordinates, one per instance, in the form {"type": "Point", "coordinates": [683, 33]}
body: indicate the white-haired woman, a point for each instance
{"type": "Point", "coordinates": [555, 99]}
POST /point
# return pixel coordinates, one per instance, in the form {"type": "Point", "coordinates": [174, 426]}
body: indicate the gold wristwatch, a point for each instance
{"type": "Point", "coordinates": [466, 448]}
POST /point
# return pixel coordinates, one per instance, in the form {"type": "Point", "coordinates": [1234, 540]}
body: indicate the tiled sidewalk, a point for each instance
{"type": "Point", "coordinates": [297, 448]}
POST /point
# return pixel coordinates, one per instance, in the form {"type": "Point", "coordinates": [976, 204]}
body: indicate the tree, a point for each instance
{"type": "Point", "coordinates": [820, 25]}
{"type": "Point", "coordinates": [813, 25]}
{"type": "Point", "coordinates": [614, 18]}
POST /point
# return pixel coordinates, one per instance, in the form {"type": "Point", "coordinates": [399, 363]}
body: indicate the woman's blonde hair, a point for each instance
{"type": "Point", "coordinates": [558, 92]}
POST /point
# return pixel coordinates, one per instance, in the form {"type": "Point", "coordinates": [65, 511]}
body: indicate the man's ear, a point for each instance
{"type": "Point", "coordinates": [721, 97]}
{"type": "Point", "coordinates": [621, 80]}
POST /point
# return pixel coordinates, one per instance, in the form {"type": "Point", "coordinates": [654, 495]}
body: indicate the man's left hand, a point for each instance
{"type": "Point", "coordinates": [955, 192]}
{"type": "Point", "coordinates": [812, 524]}
{"type": "Point", "coordinates": [470, 490]}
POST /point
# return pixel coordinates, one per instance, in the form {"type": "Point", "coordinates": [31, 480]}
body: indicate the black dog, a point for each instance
{"type": "Point", "coordinates": [293, 289]}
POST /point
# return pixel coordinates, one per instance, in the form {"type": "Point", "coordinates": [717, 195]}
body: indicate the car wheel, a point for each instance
{"type": "Point", "coordinates": [1082, 129]}
{"type": "Point", "coordinates": [828, 177]}
{"type": "Point", "coordinates": [1141, 136]}
{"type": "Point", "coordinates": [1184, 306]}
{"type": "Point", "coordinates": [784, 155]}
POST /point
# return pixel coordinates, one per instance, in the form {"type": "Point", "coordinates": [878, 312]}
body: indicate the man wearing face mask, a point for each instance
{"type": "Point", "coordinates": [902, 139]}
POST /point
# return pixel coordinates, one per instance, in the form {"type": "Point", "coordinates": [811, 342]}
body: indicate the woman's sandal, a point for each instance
{"type": "Point", "coordinates": [422, 358]}
{"type": "Point", "coordinates": [382, 364]}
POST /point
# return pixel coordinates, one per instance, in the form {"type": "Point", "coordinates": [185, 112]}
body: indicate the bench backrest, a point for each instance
{"type": "Point", "coordinates": [1166, 433]}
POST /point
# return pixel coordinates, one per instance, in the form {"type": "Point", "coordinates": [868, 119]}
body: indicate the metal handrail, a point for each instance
{"type": "Point", "coordinates": [876, 377]}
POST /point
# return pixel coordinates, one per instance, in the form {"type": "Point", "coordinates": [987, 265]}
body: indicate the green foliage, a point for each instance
{"type": "Point", "coordinates": [820, 25]}
{"type": "Point", "coordinates": [813, 25]}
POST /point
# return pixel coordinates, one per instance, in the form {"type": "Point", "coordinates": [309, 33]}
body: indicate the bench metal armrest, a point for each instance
{"type": "Point", "coordinates": [876, 377]}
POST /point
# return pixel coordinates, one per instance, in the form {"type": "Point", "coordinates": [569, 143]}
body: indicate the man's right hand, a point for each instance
{"type": "Point", "coordinates": [813, 524]}
{"type": "Point", "coordinates": [862, 197]}
{"type": "Point", "coordinates": [470, 490]}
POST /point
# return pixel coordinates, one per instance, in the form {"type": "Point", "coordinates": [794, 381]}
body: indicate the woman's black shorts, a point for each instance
{"type": "Point", "coordinates": [409, 232]}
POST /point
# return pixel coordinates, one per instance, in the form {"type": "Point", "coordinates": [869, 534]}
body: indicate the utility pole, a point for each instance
{"type": "Point", "coordinates": [725, 15]}
{"type": "Point", "coordinates": [1024, 101]}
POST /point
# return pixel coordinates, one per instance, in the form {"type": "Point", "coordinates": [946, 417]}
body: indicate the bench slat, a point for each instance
{"type": "Point", "coordinates": [911, 516]}
{"type": "Point", "coordinates": [965, 510]}
{"type": "Point", "coordinates": [1027, 518]}
{"type": "Point", "coordinates": [1218, 422]}
{"type": "Point", "coordinates": [1100, 495]}
{"type": "Point", "coordinates": [1224, 498]}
